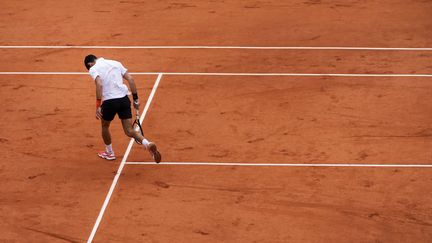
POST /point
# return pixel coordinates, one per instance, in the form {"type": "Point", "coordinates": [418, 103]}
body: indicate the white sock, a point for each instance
{"type": "Point", "coordinates": [145, 142]}
{"type": "Point", "coordinates": [109, 149]}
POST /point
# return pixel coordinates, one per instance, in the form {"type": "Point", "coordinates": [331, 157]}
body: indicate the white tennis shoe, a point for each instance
{"type": "Point", "coordinates": [106, 155]}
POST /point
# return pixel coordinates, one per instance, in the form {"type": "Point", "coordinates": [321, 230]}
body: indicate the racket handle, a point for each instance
{"type": "Point", "coordinates": [137, 114]}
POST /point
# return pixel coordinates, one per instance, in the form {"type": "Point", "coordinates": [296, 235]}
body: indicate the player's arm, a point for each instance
{"type": "Point", "coordinates": [133, 88]}
{"type": "Point", "coordinates": [98, 83]}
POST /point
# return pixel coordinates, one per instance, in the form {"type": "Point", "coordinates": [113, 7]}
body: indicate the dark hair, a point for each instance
{"type": "Point", "coordinates": [88, 59]}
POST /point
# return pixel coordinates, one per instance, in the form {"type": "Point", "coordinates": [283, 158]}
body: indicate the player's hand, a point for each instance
{"type": "Point", "coordinates": [136, 104]}
{"type": "Point", "coordinates": [98, 113]}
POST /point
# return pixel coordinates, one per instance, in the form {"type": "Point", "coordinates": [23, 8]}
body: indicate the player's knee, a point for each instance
{"type": "Point", "coordinates": [129, 132]}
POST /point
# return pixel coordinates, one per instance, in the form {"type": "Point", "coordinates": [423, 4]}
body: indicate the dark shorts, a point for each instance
{"type": "Point", "coordinates": [120, 106]}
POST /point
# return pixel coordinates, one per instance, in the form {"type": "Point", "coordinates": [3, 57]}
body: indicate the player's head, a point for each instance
{"type": "Point", "coordinates": [89, 61]}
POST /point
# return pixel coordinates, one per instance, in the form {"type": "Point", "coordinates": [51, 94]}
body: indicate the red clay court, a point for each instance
{"type": "Point", "coordinates": [279, 121]}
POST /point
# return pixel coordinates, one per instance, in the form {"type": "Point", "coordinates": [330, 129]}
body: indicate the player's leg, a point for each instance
{"type": "Point", "coordinates": [108, 113]}
{"type": "Point", "coordinates": [132, 133]}
{"type": "Point", "coordinates": [106, 136]}
{"type": "Point", "coordinates": [125, 115]}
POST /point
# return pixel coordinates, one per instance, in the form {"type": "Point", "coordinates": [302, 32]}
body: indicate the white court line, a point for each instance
{"type": "Point", "coordinates": [234, 74]}
{"type": "Point", "coordinates": [282, 165]}
{"type": "Point", "coordinates": [122, 164]}
{"type": "Point", "coordinates": [231, 47]}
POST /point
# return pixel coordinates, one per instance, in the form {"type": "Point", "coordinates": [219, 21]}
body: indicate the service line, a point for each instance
{"type": "Point", "coordinates": [122, 164]}
{"type": "Point", "coordinates": [283, 165]}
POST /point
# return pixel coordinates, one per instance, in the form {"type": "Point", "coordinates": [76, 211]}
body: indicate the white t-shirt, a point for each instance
{"type": "Point", "coordinates": [111, 73]}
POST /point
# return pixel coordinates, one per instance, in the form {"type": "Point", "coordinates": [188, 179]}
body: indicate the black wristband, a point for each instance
{"type": "Point", "coordinates": [135, 96]}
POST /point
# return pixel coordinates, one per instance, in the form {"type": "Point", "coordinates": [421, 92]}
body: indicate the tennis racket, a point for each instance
{"type": "Point", "coordinates": [137, 126]}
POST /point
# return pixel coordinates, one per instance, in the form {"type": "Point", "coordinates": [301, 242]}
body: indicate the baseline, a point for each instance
{"type": "Point", "coordinates": [229, 47]}
{"type": "Point", "coordinates": [235, 74]}
{"type": "Point", "coordinates": [122, 164]}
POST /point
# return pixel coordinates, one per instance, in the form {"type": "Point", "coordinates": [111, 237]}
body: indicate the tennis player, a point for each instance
{"type": "Point", "coordinates": [108, 76]}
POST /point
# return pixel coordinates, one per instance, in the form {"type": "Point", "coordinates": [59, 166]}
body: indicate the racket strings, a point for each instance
{"type": "Point", "coordinates": [137, 126]}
